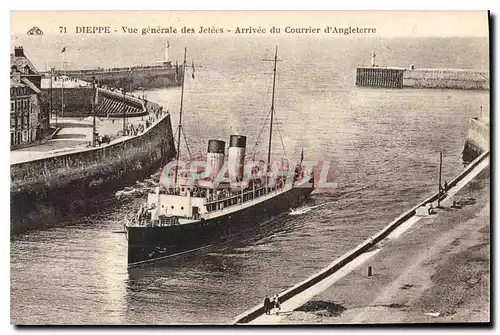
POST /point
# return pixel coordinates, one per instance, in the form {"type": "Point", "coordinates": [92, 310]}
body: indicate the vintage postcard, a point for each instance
{"type": "Point", "coordinates": [249, 167]}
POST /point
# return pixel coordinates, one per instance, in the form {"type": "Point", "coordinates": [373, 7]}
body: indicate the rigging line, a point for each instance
{"type": "Point", "coordinates": [175, 134]}
{"type": "Point", "coordinates": [264, 124]}
{"type": "Point", "coordinates": [279, 132]}
{"type": "Point", "coordinates": [187, 146]}
{"type": "Point", "coordinates": [195, 120]}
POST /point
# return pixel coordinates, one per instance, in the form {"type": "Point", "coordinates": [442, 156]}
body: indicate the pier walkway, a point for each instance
{"type": "Point", "coordinates": [75, 134]}
{"type": "Point", "coordinates": [430, 269]}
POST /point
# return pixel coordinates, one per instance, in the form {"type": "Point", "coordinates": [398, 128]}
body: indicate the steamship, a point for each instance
{"type": "Point", "coordinates": [191, 209]}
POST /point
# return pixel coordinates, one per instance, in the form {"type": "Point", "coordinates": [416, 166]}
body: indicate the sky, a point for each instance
{"type": "Point", "coordinates": [387, 24]}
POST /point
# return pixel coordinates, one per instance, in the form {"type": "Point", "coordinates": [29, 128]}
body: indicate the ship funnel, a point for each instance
{"type": "Point", "coordinates": [236, 156]}
{"type": "Point", "coordinates": [215, 157]}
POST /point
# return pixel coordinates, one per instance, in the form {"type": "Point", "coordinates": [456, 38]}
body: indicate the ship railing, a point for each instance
{"type": "Point", "coordinates": [240, 197]}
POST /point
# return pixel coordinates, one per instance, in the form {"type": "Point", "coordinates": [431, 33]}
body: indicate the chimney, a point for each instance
{"type": "Point", "coordinates": [18, 51]}
{"type": "Point", "coordinates": [236, 156]}
{"type": "Point", "coordinates": [215, 157]}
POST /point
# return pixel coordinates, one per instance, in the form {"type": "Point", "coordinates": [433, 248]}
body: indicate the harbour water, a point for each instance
{"type": "Point", "coordinates": [382, 146]}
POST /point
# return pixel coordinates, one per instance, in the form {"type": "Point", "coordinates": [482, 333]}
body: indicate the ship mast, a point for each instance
{"type": "Point", "coordinates": [272, 108]}
{"type": "Point", "coordinates": [179, 127]}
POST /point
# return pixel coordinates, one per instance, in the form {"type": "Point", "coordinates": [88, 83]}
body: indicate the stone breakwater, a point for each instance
{"type": "Point", "coordinates": [366, 246]}
{"type": "Point", "coordinates": [398, 77]}
{"type": "Point", "coordinates": [133, 77]}
{"type": "Point", "coordinates": [478, 137]}
{"type": "Point", "coordinates": [76, 182]}
{"type": "Point", "coordinates": [78, 102]}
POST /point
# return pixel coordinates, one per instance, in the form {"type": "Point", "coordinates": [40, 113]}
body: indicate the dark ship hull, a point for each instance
{"type": "Point", "coordinates": [146, 244]}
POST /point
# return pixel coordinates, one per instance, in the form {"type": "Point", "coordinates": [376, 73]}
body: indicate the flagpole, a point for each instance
{"type": "Point", "coordinates": [51, 92]}
{"type": "Point", "coordinates": [272, 110]}
{"type": "Point", "coordinates": [62, 92]}
{"type": "Point", "coordinates": [94, 90]}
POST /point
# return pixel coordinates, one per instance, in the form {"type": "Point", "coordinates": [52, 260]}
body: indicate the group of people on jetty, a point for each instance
{"type": "Point", "coordinates": [270, 305]}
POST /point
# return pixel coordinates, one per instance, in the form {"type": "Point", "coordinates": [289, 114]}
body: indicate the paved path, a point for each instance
{"type": "Point", "coordinates": [381, 294]}
{"type": "Point", "coordinates": [75, 134]}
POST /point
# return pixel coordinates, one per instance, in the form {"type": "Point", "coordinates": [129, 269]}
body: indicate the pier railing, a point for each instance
{"type": "Point", "coordinates": [118, 69]}
{"type": "Point", "coordinates": [83, 160]}
{"type": "Point", "coordinates": [363, 247]}
{"type": "Point", "coordinates": [115, 103]}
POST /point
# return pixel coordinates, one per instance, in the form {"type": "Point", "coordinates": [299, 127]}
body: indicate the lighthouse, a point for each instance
{"type": "Point", "coordinates": [165, 60]}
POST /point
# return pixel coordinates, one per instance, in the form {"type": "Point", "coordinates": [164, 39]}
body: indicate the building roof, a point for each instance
{"type": "Point", "coordinates": [20, 62]}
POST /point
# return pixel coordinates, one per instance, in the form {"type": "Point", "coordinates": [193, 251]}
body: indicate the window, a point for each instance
{"type": "Point", "coordinates": [25, 120]}
{"type": "Point", "coordinates": [19, 121]}
{"type": "Point", "coordinates": [12, 122]}
{"type": "Point", "coordinates": [12, 106]}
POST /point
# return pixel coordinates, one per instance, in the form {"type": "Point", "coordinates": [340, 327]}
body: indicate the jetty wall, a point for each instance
{"type": "Point", "coordinates": [78, 102]}
{"type": "Point", "coordinates": [446, 78]}
{"type": "Point", "coordinates": [478, 136]}
{"type": "Point", "coordinates": [379, 77]}
{"type": "Point", "coordinates": [133, 78]}
{"type": "Point", "coordinates": [397, 77]}
{"type": "Point", "coordinates": [68, 183]}
{"type": "Point", "coordinates": [363, 247]}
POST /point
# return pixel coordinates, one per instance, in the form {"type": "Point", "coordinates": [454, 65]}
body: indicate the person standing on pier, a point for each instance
{"type": "Point", "coordinates": [267, 305]}
{"type": "Point", "coordinates": [276, 304]}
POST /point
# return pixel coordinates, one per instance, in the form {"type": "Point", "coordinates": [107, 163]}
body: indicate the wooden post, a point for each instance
{"type": "Point", "coordinates": [370, 271]}
{"type": "Point", "coordinates": [62, 92]}
{"type": "Point", "coordinates": [94, 90]}
{"type": "Point", "coordinates": [124, 109]}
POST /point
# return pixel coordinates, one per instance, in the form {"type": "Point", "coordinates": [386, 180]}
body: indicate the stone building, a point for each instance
{"type": "Point", "coordinates": [29, 119]}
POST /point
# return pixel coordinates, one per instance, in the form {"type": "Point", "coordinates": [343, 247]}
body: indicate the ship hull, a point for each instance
{"type": "Point", "coordinates": [147, 244]}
